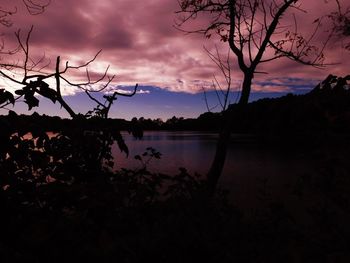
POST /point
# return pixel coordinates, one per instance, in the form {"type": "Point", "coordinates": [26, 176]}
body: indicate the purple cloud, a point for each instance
{"type": "Point", "coordinates": [141, 45]}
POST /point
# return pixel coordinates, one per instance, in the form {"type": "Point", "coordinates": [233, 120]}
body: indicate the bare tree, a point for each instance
{"type": "Point", "coordinates": [33, 75]}
{"type": "Point", "coordinates": [256, 35]}
{"type": "Point", "coordinates": [222, 88]}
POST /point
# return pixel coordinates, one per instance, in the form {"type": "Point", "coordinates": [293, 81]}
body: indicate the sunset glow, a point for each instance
{"type": "Point", "coordinates": [141, 45]}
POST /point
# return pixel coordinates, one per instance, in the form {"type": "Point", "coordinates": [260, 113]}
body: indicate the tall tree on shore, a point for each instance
{"type": "Point", "coordinates": [256, 33]}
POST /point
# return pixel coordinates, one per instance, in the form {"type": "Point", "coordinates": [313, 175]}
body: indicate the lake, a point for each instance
{"type": "Point", "coordinates": [246, 160]}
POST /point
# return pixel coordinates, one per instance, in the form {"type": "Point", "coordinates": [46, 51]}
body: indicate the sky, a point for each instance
{"type": "Point", "coordinates": [140, 44]}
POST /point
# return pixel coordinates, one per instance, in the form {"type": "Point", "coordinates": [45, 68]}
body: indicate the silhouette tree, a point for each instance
{"type": "Point", "coordinates": [33, 75]}
{"type": "Point", "coordinates": [222, 92]}
{"type": "Point", "coordinates": [256, 34]}
{"type": "Point", "coordinates": [90, 145]}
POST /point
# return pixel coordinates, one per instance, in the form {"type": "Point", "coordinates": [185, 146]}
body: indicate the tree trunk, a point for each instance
{"type": "Point", "coordinates": [217, 165]}
{"type": "Point", "coordinates": [246, 87]}
{"type": "Point", "coordinates": [220, 155]}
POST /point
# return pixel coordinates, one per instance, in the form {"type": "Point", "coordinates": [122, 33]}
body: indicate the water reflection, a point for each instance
{"type": "Point", "coordinates": [195, 151]}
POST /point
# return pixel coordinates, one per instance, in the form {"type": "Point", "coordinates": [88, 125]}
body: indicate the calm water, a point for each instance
{"type": "Point", "coordinates": [195, 152]}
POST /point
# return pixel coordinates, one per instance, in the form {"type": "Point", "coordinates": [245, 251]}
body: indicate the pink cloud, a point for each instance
{"type": "Point", "coordinates": [141, 45]}
{"type": "Point", "coordinates": [270, 88]}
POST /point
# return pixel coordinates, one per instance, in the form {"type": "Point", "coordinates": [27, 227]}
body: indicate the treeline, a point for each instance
{"type": "Point", "coordinates": [29, 123]}
{"type": "Point", "coordinates": [325, 109]}
{"type": "Point", "coordinates": [205, 122]}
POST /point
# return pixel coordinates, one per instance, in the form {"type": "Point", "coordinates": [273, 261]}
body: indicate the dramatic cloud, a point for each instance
{"type": "Point", "coordinates": [126, 91]}
{"type": "Point", "coordinates": [141, 45]}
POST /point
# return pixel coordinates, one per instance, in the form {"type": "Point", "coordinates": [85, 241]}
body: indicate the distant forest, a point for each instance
{"type": "Point", "coordinates": [324, 110]}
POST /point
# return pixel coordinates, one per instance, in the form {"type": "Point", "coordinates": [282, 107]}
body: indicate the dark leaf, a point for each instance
{"type": "Point", "coordinates": [123, 147]}
{"type": "Point", "coordinates": [6, 96]}
{"type": "Point", "coordinates": [42, 136]}
{"type": "Point", "coordinates": [40, 142]}
{"type": "Point", "coordinates": [47, 92]}
{"type": "Point", "coordinates": [31, 101]}
{"type": "Point", "coordinates": [10, 97]}
{"type": "Point", "coordinates": [2, 99]}
{"type": "Point", "coordinates": [121, 143]}
{"type": "Point", "coordinates": [20, 92]}
{"type": "Point", "coordinates": [31, 85]}
{"type": "Point", "coordinates": [23, 131]}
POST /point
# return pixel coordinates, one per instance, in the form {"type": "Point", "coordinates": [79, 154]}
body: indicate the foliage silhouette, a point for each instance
{"type": "Point", "coordinates": [252, 30]}
{"type": "Point", "coordinates": [63, 201]}
{"type": "Point", "coordinates": [136, 214]}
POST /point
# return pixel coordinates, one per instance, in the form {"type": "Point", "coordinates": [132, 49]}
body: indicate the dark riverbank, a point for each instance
{"type": "Point", "coordinates": [62, 201]}
{"type": "Point", "coordinates": [268, 219]}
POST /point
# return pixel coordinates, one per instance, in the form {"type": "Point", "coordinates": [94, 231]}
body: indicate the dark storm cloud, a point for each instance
{"type": "Point", "coordinates": [141, 45]}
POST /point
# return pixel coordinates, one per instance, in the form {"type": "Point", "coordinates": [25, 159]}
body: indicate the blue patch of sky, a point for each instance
{"type": "Point", "coordinates": [296, 85]}
{"type": "Point", "coordinates": [162, 103]}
